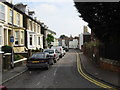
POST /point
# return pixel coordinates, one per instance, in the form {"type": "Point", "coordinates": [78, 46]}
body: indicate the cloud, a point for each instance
{"type": "Point", "coordinates": [46, 1]}
{"type": "Point", "coordinates": [48, 8]}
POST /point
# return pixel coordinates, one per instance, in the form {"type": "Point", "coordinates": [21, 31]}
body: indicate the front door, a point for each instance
{"type": "Point", "coordinates": [9, 34]}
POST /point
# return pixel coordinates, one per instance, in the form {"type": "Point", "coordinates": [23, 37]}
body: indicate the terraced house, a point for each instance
{"type": "Point", "coordinates": [11, 20]}
{"type": "Point", "coordinates": [3, 23]}
{"type": "Point", "coordinates": [15, 28]}
{"type": "Point", "coordinates": [33, 36]}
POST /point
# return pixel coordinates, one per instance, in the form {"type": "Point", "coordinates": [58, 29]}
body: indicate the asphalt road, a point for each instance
{"type": "Point", "coordinates": [63, 74]}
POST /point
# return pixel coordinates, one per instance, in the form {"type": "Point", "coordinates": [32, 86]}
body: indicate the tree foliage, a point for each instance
{"type": "Point", "coordinates": [101, 16]}
{"type": "Point", "coordinates": [63, 36]}
{"type": "Point", "coordinates": [50, 38]}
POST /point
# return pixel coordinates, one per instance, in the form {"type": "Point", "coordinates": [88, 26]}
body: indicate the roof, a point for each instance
{"type": "Point", "coordinates": [18, 10]}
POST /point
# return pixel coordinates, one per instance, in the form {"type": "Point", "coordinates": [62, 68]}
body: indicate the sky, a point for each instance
{"type": "Point", "coordinates": [59, 15]}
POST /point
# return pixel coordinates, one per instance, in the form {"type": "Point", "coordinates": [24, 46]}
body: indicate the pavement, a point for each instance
{"type": "Point", "coordinates": [112, 78]}
{"type": "Point", "coordinates": [10, 74]}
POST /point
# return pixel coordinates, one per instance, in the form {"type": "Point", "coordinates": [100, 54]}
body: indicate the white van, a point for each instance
{"type": "Point", "coordinates": [60, 49]}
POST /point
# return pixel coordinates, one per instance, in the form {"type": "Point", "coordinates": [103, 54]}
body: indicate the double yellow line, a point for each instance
{"type": "Point", "coordinates": [88, 77]}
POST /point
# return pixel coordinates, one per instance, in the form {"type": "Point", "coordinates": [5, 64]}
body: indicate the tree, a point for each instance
{"type": "Point", "coordinates": [62, 36]}
{"type": "Point", "coordinates": [50, 38]}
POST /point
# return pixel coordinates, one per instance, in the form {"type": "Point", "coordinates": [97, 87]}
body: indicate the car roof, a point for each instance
{"type": "Point", "coordinates": [49, 49]}
{"type": "Point", "coordinates": [41, 53]}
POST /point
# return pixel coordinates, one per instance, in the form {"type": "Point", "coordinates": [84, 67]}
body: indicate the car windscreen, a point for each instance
{"type": "Point", "coordinates": [49, 51]}
{"type": "Point", "coordinates": [38, 55]}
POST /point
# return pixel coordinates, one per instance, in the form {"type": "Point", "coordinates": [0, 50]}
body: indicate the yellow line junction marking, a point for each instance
{"type": "Point", "coordinates": [79, 68]}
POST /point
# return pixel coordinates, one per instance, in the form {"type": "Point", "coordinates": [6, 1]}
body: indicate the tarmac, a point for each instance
{"type": "Point", "coordinates": [90, 68]}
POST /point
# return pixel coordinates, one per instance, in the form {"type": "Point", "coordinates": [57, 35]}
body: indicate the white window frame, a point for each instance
{"type": "Point", "coordinates": [18, 19]}
{"type": "Point", "coordinates": [22, 37]}
{"type": "Point", "coordinates": [17, 37]}
{"type": "Point", "coordinates": [2, 12]}
{"type": "Point", "coordinates": [11, 16]}
{"type": "Point", "coordinates": [1, 35]}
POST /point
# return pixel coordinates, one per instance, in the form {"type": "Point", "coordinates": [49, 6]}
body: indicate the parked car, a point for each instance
{"type": "Point", "coordinates": [54, 54]}
{"type": "Point", "coordinates": [60, 49]}
{"type": "Point", "coordinates": [3, 88]}
{"type": "Point", "coordinates": [64, 52]}
{"type": "Point", "coordinates": [66, 48]}
{"type": "Point", "coordinates": [39, 60]}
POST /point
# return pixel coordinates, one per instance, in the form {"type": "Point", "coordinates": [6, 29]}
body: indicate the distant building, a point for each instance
{"type": "Point", "coordinates": [73, 44]}
{"type": "Point", "coordinates": [64, 41]}
{"type": "Point", "coordinates": [84, 37]}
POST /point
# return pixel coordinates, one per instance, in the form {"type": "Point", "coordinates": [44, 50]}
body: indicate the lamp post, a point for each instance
{"type": "Point", "coordinates": [12, 40]}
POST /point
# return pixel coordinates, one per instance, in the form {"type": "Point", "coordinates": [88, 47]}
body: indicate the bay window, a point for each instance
{"type": "Point", "coordinates": [16, 37]}
{"type": "Point", "coordinates": [22, 37]}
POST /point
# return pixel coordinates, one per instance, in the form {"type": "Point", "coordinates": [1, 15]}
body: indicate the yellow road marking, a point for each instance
{"type": "Point", "coordinates": [89, 78]}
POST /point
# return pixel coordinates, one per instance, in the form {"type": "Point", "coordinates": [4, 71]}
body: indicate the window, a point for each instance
{"type": "Point", "coordinates": [30, 39]}
{"type": "Point", "coordinates": [11, 16]}
{"type": "Point", "coordinates": [38, 29]}
{"type": "Point", "coordinates": [31, 25]}
{"type": "Point", "coordinates": [0, 35]}
{"type": "Point", "coordinates": [18, 19]}
{"type": "Point", "coordinates": [2, 12]}
{"type": "Point", "coordinates": [38, 40]}
{"type": "Point", "coordinates": [34, 40]}
{"type": "Point", "coordinates": [34, 27]}
{"type": "Point", "coordinates": [22, 37]}
{"type": "Point", "coordinates": [16, 37]}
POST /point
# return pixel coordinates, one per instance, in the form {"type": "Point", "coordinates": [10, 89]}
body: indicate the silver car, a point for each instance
{"type": "Point", "coordinates": [54, 53]}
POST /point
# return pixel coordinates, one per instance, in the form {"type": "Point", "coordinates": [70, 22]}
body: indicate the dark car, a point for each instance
{"type": "Point", "coordinates": [65, 48]}
{"type": "Point", "coordinates": [39, 60]}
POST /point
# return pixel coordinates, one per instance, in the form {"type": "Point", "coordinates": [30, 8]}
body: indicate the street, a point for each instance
{"type": "Point", "coordinates": [63, 74]}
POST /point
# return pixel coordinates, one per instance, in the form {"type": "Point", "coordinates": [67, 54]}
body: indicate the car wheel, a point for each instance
{"type": "Point", "coordinates": [52, 62]}
{"type": "Point", "coordinates": [48, 66]}
{"type": "Point", "coordinates": [55, 61]}
{"type": "Point", "coordinates": [29, 68]}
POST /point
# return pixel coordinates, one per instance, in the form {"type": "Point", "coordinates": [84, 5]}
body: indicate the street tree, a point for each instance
{"type": "Point", "coordinates": [49, 39]}
{"type": "Point", "coordinates": [63, 36]}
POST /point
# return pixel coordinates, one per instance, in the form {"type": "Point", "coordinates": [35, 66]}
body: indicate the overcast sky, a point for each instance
{"type": "Point", "coordinates": [59, 15]}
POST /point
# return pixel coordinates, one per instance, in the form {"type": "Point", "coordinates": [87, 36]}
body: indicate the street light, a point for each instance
{"type": "Point", "coordinates": [12, 40]}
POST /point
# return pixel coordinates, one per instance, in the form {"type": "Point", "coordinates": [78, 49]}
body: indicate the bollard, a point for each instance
{"type": "Point", "coordinates": [7, 61]}
{"type": "Point", "coordinates": [29, 53]}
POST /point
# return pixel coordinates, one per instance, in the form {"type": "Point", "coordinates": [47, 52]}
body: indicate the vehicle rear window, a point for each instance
{"type": "Point", "coordinates": [49, 51]}
{"type": "Point", "coordinates": [38, 56]}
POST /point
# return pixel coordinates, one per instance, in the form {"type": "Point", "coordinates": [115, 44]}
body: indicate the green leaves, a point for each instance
{"type": "Point", "coordinates": [50, 38]}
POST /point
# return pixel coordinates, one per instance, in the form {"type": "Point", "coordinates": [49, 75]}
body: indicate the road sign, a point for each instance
{"type": "Point", "coordinates": [12, 39]}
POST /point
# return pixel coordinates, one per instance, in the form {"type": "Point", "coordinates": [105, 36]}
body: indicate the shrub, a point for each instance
{"type": "Point", "coordinates": [18, 57]}
{"type": "Point", "coordinates": [7, 49]}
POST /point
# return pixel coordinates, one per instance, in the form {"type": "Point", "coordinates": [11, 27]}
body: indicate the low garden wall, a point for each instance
{"type": "Point", "coordinates": [96, 52]}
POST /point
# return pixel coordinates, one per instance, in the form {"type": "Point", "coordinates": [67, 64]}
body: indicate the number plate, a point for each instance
{"type": "Point", "coordinates": [35, 61]}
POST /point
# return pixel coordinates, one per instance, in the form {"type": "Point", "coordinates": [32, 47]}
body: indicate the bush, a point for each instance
{"type": "Point", "coordinates": [7, 49]}
{"type": "Point", "coordinates": [18, 57]}
{"type": "Point", "coordinates": [93, 44]}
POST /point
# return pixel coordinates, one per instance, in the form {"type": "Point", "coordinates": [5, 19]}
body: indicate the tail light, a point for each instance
{"type": "Point", "coordinates": [60, 49]}
{"type": "Point", "coordinates": [54, 55]}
